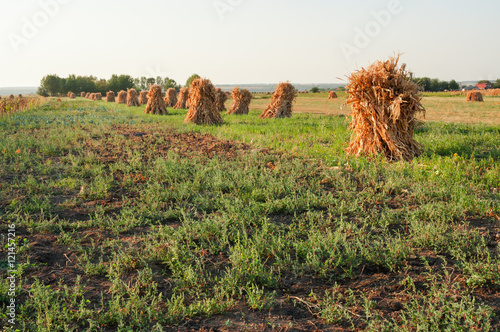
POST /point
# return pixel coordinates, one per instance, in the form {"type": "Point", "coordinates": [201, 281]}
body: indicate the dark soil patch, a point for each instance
{"type": "Point", "coordinates": [111, 148]}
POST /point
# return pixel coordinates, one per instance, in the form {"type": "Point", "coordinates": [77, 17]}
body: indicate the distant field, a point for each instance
{"type": "Point", "coordinates": [133, 222]}
{"type": "Point", "coordinates": [15, 91]}
{"type": "Point", "coordinates": [440, 107]}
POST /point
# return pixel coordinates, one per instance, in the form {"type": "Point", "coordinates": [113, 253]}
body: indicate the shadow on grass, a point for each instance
{"type": "Point", "coordinates": [466, 141]}
{"type": "Point", "coordinates": [464, 151]}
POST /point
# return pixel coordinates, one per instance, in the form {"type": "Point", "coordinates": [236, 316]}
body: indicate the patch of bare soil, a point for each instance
{"type": "Point", "coordinates": [160, 143]}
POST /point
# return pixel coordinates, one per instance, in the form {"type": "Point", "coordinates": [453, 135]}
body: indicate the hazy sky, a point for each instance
{"type": "Point", "coordinates": [246, 41]}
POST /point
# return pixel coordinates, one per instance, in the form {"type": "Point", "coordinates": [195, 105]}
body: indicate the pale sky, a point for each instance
{"type": "Point", "coordinates": [246, 41]}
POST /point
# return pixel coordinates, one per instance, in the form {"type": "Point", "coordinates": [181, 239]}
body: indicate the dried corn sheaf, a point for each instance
{"type": "Point", "coordinates": [241, 101]}
{"type": "Point", "coordinates": [384, 104]}
{"type": "Point", "coordinates": [122, 97]}
{"type": "Point", "coordinates": [171, 97]}
{"type": "Point", "coordinates": [110, 97]}
{"type": "Point", "coordinates": [281, 102]}
{"type": "Point", "coordinates": [143, 97]}
{"type": "Point", "coordinates": [220, 100]}
{"type": "Point", "coordinates": [156, 104]}
{"type": "Point", "coordinates": [132, 98]}
{"type": "Point", "coordinates": [474, 96]}
{"type": "Point", "coordinates": [182, 99]}
{"type": "Point", "coordinates": [203, 107]}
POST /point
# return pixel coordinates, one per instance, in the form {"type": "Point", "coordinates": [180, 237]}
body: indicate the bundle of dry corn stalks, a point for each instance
{"type": "Point", "coordinates": [332, 95]}
{"type": "Point", "coordinates": [474, 96]}
{"type": "Point", "coordinates": [384, 106]}
{"type": "Point", "coordinates": [68, 94]}
{"type": "Point", "coordinates": [8, 105]}
{"type": "Point", "coordinates": [121, 98]}
{"type": "Point", "coordinates": [91, 96]}
{"type": "Point", "coordinates": [72, 95]}
{"type": "Point", "coordinates": [203, 108]}
{"type": "Point", "coordinates": [11, 97]}
{"type": "Point", "coordinates": [110, 97]}
{"type": "Point", "coordinates": [220, 100]}
{"type": "Point", "coordinates": [182, 99]}
{"type": "Point", "coordinates": [97, 96]}
{"type": "Point", "coordinates": [87, 95]}
{"type": "Point", "coordinates": [132, 98]}
{"type": "Point", "coordinates": [241, 101]}
{"type": "Point", "coordinates": [281, 102]}
{"type": "Point", "coordinates": [82, 94]}
{"type": "Point", "coordinates": [171, 97]}
{"type": "Point", "coordinates": [20, 96]}
{"type": "Point", "coordinates": [156, 104]}
{"type": "Point", "coordinates": [143, 97]}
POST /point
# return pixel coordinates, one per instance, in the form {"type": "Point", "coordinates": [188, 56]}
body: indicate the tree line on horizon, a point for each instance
{"type": "Point", "coordinates": [436, 85]}
{"type": "Point", "coordinates": [425, 83]}
{"type": "Point", "coordinates": [53, 85]}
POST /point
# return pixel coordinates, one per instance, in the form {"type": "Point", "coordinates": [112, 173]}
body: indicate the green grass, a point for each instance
{"type": "Point", "coordinates": [144, 234]}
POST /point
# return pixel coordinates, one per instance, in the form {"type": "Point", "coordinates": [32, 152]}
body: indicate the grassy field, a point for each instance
{"type": "Point", "coordinates": [133, 222]}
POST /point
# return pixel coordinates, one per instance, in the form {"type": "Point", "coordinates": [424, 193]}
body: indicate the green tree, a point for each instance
{"type": "Point", "coordinates": [51, 85]}
{"type": "Point", "coordinates": [159, 80]}
{"type": "Point", "coordinates": [434, 85]}
{"type": "Point", "coordinates": [70, 84]}
{"type": "Point", "coordinates": [137, 84]}
{"type": "Point", "coordinates": [114, 83]}
{"type": "Point", "coordinates": [85, 84]}
{"type": "Point", "coordinates": [424, 82]}
{"type": "Point", "coordinates": [484, 81]}
{"type": "Point", "coordinates": [496, 85]}
{"type": "Point", "coordinates": [191, 79]}
{"type": "Point", "coordinates": [454, 85]}
{"type": "Point", "coordinates": [314, 89]}
{"type": "Point", "coordinates": [123, 82]}
{"type": "Point", "coordinates": [170, 83]}
{"type": "Point", "coordinates": [101, 86]}
{"type": "Point", "coordinates": [143, 83]}
{"type": "Point", "coordinates": [42, 92]}
{"type": "Point", "coordinates": [443, 85]}
{"type": "Point", "coordinates": [150, 81]}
